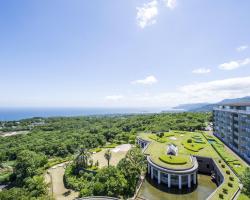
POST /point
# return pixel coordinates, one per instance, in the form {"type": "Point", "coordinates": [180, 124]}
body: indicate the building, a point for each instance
{"type": "Point", "coordinates": [172, 176]}
{"type": "Point", "coordinates": [232, 126]}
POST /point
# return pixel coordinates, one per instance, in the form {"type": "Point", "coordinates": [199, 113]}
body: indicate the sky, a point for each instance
{"type": "Point", "coordinates": [131, 53]}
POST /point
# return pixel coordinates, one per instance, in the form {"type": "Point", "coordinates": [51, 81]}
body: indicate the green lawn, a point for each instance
{"type": "Point", "coordinates": [174, 160]}
{"type": "Point", "coordinates": [243, 197]}
{"type": "Point", "coordinates": [237, 165]}
{"type": "Point", "coordinates": [194, 143]}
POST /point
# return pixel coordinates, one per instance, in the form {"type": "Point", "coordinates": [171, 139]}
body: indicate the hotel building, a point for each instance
{"type": "Point", "coordinates": [231, 123]}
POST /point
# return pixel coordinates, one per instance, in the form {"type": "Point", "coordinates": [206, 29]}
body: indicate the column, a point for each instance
{"type": "Point", "coordinates": [159, 177]}
{"type": "Point", "coordinates": [148, 168]}
{"type": "Point", "coordinates": [195, 178]}
{"type": "Point", "coordinates": [152, 172]}
{"type": "Point", "coordinates": [180, 183]}
{"type": "Point", "coordinates": [189, 180]}
{"type": "Point", "coordinates": [169, 180]}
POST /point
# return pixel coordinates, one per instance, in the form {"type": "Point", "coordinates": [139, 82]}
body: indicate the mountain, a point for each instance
{"type": "Point", "coordinates": [237, 100]}
{"type": "Point", "coordinates": [190, 106]}
{"type": "Point", "coordinates": [207, 107]}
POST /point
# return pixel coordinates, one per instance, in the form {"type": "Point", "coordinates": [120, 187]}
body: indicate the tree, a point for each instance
{"type": "Point", "coordinates": [83, 158]}
{"type": "Point", "coordinates": [132, 166]}
{"type": "Point", "coordinates": [14, 193]}
{"type": "Point", "coordinates": [108, 156]}
{"type": "Point", "coordinates": [28, 164]}
{"type": "Point", "coordinates": [109, 181]}
{"type": "Point", "coordinates": [246, 182]}
{"type": "Point", "coordinates": [36, 186]}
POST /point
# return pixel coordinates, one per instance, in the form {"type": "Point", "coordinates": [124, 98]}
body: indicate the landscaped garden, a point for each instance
{"type": "Point", "coordinates": [174, 160]}
{"type": "Point", "coordinates": [194, 143]}
{"type": "Point", "coordinates": [116, 179]}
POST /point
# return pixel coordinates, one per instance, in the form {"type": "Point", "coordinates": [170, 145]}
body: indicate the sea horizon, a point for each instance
{"type": "Point", "coordinates": [19, 113]}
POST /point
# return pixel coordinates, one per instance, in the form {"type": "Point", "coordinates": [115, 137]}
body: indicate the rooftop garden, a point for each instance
{"type": "Point", "coordinates": [174, 160]}
{"type": "Point", "coordinates": [200, 144]}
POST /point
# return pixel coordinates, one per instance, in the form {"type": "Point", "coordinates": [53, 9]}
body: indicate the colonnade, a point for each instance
{"type": "Point", "coordinates": [173, 179]}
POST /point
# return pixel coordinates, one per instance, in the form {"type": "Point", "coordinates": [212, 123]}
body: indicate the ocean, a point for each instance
{"type": "Point", "coordinates": [9, 114]}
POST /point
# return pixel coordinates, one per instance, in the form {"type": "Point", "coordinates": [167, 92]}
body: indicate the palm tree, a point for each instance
{"type": "Point", "coordinates": [108, 156]}
{"type": "Point", "coordinates": [83, 157]}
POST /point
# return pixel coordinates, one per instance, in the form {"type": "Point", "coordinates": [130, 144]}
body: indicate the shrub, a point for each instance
{"type": "Point", "coordinates": [231, 178]}
{"type": "Point", "coordinates": [228, 172]}
{"type": "Point", "coordinates": [223, 166]}
{"type": "Point", "coordinates": [189, 141]}
{"type": "Point", "coordinates": [221, 196]}
{"type": "Point", "coordinates": [225, 190]}
{"type": "Point", "coordinates": [219, 161]}
{"type": "Point", "coordinates": [230, 184]}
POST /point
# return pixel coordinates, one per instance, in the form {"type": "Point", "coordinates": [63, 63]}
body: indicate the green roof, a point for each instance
{"type": "Point", "coordinates": [158, 147]}
{"type": "Point", "coordinates": [191, 143]}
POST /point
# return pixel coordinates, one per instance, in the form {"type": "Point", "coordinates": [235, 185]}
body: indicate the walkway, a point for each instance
{"type": "Point", "coordinates": [55, 176]}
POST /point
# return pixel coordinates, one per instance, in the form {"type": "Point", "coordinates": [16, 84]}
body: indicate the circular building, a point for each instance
{"type": "Point", "coordinates": [166, 164]}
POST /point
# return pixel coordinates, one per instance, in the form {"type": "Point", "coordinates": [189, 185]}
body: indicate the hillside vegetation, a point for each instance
{"type": "Point", "coordinates": [24, 158]}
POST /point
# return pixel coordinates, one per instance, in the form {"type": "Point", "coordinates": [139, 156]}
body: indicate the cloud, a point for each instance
{"type": "Point", "coordinates": [114, 97]}
{"type": "Point", "coordinates": [217, 90]}
{"type": "Point", "coordinates": [229, 85]}
{"type": "Point", "coordinates": [171, 4]}
{"type": "Point", "coordinates": [201, 71]}
{"type": "Point", "coordinates": [241, 48]}
{"type": "Point", "coordinates": [234, 64]}
{"type": "Point", "coordinates": [146, 15]}
{"type": "Point", "coordinates": [211, 91]}
{"type": "Point", "coordinates": [149, 80]}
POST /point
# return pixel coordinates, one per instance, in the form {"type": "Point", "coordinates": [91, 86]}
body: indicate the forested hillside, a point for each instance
{"type": "Point", "coordinates": [54, 138]}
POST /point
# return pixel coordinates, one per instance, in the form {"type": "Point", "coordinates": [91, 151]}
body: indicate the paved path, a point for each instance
{"type": "Point", "coordinates": [55, 177]}
{"type": "Point", "coordinates": [116, 155]}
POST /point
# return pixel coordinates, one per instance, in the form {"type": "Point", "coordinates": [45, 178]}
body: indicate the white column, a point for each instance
{"type": "Point", "coordinates": [195, 178]}
{"type": "Point", "coordinates": [159, 177]}
{"type": "Point", "coordinates": [180, 183]}
{"type": "Point", "coordinates": [148, 168]}
{"type": "Point", "coordinates": [152, 173]}
{"type": "Point", "coordinates": [169, 180]}
{"type": "Point", "coordinates": [189, 180]}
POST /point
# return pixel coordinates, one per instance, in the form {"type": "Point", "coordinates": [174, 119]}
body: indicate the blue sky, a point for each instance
{"type": "Point", "coordinates": [133, 53]}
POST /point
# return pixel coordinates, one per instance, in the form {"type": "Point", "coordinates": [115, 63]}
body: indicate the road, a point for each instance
{"type": "Point", "coordinates": [54, 176]}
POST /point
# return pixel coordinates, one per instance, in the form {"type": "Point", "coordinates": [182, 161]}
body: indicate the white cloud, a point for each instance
{"type": "Point", "coordinates": [149, 80]}
{"type": "Point", "coordinates": [146, 15]}
{"type": "Point", "coordinates": [171, 4]}
{"type": "Point", "coordinates": [114, 97]}
{"type": "Point", "coordinates": [234, 64]}
{"type": "Point", "coordinates": [214, 91]}
{"type": "Point", "coordinates": [201, 71]}
{"type": "Point", "coordinates": [211, 91]}
{"type": "Point", "coordinates": [241, 48]}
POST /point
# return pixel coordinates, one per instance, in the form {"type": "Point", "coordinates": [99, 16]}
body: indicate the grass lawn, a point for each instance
{"type": "Point", "coordinates": [243, 197]}
{"type": "Point", "coordinates": [196, 147]}
{"type": "Point", "coordinates": [195, 143]}
{"type": "Point", "coordinates": [237, 165]}
{"type": "Point", "coordinates": [174, 160]}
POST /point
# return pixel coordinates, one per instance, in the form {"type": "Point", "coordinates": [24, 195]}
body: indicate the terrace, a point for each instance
{"type": "Point", "coordinates": [194, 144]}
{"type": "Point", "coordinates": [187, 143]}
